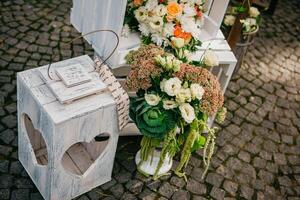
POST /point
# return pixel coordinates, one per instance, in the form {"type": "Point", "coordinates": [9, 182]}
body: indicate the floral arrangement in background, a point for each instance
{"type": "Point", "coordinates": [250, 23]}
{"type": "Point", "coordinates": [172, 24]}
{"type": "Point", "coordinates": [173, 103]}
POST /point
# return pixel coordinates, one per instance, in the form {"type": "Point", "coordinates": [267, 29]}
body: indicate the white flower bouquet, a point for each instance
{"type": "Point", "coordinates": [172, 96]}
{"type": "Point", "coordinates": [173, 24]}
{"type": "Point", "coordinates": [250, 23]}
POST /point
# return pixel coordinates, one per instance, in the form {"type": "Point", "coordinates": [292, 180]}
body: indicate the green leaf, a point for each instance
{"type": "Point", "coordinates": [199, 143]}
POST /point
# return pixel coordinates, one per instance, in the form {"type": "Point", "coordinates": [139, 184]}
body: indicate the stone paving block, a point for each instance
{"type": "Point", "coordinates": [257, 146]}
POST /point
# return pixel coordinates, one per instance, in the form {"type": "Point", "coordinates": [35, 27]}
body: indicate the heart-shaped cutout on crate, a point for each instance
{"type": "Point", "coordinates": [36, 140]}
{"type": "Point", "coordinates": [80, 156]}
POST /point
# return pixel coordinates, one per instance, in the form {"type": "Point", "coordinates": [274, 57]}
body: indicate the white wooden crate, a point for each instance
{"type": "Point", "coordinates": [224, 71]}
{"type": "Point", "coordinates": [90, 15]}
{"type": "Point", "coordinates": [58, 143]}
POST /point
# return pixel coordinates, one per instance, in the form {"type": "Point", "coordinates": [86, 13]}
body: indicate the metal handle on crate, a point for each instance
{"type": "Point", "coordinates": [95, 31]}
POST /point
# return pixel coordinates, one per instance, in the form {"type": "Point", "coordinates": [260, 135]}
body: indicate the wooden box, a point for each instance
{"type": "Point", "coordinates": [67, 149]}
{"type": "Point", "coordinates": [89, 15]}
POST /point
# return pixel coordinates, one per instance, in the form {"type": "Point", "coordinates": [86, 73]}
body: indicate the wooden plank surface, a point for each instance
{"type": "Point", "coordinates": [80, 157]}
{"type": "Point", "coordinates": [69, 165]}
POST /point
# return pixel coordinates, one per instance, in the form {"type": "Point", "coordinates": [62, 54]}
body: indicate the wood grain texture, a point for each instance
{"type": "Point", "coordinates": [62, 126]}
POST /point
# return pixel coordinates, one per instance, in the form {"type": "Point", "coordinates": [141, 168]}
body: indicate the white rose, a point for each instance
{"type": "Point", "coordinates": [197, 91]}
{"type": "Point", "coordinates": [187, 112]}
{"type": "Point", "coordinates": [172, 86]}
{"type": "Point", "coordinates": [254, 12]}
{"type": "Point", "coordinates": [177, 42]}
{"type": "Point", "coordinates": [184, 95]}
{"type": "Point", "coordinates": [169, 104]}
{"type": "Point", "coordinates": [210, 59]}
{"type": "Point", "coordinates": [152, 99]}
{"type": "Point", "coordinates": [229, 20]}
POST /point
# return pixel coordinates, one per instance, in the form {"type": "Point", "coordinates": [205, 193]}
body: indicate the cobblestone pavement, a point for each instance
{"type": "Point", "coordinates": [258, 147]}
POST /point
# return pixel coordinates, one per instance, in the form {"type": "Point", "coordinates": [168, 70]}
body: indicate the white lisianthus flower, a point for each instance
{"type": "Point", "coordinates": [156, 23]}
{"type": "Point", "coordinates": [254, 12]}
{"type": "Point", "coordinates": [144, 29]}
{"type": "Point", "coordinates": [160, 10]}
{"type": "Point", "coordinates": [187, 112]}
{"type": "Point", "coordinates": [152, 99]}
{"type": "Point", "coordinates": [184, 95]}
{"type": "Point", "coordinates": [229, 20]}
{"type": "Point", "coordinates": [162, 84]}
{"type": "Point", "coordinates": [169, 104]}
{"type": "Point", "coordinates": [168, 29]}
{"type": "Point", "coordinates": [172, 86]}
{"type": "Point", "coordinates": [210, 59]}
{"type": "Point", "coordinates": [197, 91]}
{"type": "Point", "coordinates": [177, 42]}
{"type": "Point", "coordinates": [141, 14]}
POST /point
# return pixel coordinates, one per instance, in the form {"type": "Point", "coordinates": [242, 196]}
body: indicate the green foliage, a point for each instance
{"type": "Point", "coordinates": [146, 40]}
{"type": "Point", "coordinates": [130, 18]}
{"type": "Point", "coordinates": [152, 121]}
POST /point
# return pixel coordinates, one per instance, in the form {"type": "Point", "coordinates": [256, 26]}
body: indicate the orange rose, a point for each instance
{"type": "Point", "coordinates": [178, 32]}
{"type": "Point", "coordinates": [137, 2]}
{"type": "Point", "coordinates": [173, 9]}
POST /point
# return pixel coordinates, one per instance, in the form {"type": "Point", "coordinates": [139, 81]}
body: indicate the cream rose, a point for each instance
{"type": "Point", "coordinates": [210, 59]}
{"type": "Point", "coordinates": [152, 99]}
{"type": "Point", "coordinates": [169, 104]}
{"type": "Point", "coordinates": [254, 12]}
{"type": "Point", "coordinates": [197, 91]}
{"type": "Point", "coordinates": [187, 112]}
{"type": "Point", "coordinates": [172, 86]}
{"type": "Point", "coordinates": [177, 42]}
{"type": "Point", "coordinates": [184, 95]}
{"type": "Point", "coordinates": [229, 20]}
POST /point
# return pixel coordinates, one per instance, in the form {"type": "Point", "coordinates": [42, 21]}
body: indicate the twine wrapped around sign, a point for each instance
{"type": "Point", "coordinates": [119, 94]}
